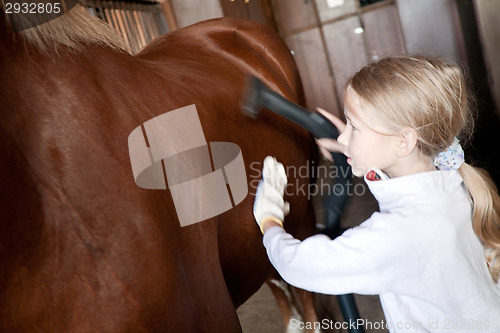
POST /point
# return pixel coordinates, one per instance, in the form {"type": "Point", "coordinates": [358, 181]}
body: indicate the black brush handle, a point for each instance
{"type": "Point", "coordinates": [259, 95]}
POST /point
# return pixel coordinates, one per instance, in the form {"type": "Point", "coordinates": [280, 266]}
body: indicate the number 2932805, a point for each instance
{"type": "Point", "coordinates": [32, 8]}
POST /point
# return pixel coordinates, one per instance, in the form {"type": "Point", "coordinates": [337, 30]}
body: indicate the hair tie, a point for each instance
{"type": "Point", "coordinates": [451, 158]}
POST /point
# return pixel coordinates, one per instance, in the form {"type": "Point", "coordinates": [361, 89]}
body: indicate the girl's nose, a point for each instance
{"type": "Point", "coordinates": [342, 139]}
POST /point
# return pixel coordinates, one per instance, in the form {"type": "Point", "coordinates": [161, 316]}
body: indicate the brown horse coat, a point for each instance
{"type": "Point", "coordinates": [82, 247]}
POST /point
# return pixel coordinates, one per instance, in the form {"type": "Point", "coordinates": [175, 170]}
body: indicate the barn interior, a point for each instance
{"type": "Point", "coordinates": [330, 40]}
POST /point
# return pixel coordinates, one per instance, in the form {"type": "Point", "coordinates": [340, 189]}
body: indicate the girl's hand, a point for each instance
{"type": "Point", "coordinates": [326, 146]}
{"type": "Point", "coordinates": [269, 204]}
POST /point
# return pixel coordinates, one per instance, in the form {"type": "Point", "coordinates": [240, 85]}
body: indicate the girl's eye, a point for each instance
{"type": "Point", "coordinates": [348, 122]}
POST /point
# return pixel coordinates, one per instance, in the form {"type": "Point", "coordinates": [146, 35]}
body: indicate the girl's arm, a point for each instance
{"type": "Point", "coordinates": [315, 264]}
{"type": "Point", "coordinates": [359, 261]}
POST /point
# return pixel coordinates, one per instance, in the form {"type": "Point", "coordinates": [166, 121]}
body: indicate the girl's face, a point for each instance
{"type": "Point", "coordinates": [366, 147]}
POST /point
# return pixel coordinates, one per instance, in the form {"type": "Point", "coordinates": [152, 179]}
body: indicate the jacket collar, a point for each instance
{"type": "Point", "coordinates": [431, 186]}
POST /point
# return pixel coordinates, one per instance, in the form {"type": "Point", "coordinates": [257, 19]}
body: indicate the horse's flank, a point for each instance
{"type": "Point", "coordinates": [74, 29]}
{"type": "Point", "coordinates": [82, 247]}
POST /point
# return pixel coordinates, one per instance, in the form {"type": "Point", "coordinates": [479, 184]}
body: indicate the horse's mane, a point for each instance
{"type": "Point", "coordinates": [74, 29]}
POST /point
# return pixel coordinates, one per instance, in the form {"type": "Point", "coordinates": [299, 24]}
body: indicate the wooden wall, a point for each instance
{"type": "Point", "coordinates": [255, 10]}
{"type": "Point", "coordinates": [332, 39]}
{"type": "Point", "coordinates": [431, 27]}
{"type": "Point", "coordinates": [188, 12]}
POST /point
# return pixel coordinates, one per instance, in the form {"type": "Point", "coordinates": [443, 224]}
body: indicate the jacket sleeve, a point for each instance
{"type": "Point", "coordinates": [362, 260]}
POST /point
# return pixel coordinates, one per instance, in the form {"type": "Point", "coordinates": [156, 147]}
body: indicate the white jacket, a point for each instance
{"type": "Point", "coordinates": [419, 253]}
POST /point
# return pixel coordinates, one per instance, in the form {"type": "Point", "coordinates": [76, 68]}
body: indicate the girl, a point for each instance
{"type": "Point", "coordinates": [432, 253]}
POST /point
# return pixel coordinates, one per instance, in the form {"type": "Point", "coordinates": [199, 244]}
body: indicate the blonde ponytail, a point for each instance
{"type": "Point", "coordinates": [486, 213]}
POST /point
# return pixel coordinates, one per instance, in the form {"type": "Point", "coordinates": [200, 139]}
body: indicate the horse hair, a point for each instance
{"type": "Point", "coordinates": [74, 29]}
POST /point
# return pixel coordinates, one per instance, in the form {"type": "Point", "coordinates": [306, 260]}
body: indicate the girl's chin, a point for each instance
{"type": "Point", "coordinates": [356, 170]}
{"type": "Point", "coordinates": [360, 173]}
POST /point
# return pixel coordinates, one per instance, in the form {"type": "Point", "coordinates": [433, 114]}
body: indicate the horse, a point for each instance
{"type": "Point", "coordinates": [82, 247]}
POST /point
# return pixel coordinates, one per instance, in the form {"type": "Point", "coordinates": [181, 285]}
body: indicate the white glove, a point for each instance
{"type": "Point", "coordinates": [269, 203]}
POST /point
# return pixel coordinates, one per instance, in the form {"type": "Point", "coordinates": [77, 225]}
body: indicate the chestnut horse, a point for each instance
{"type": "Point", "coordinates": [82, 247]}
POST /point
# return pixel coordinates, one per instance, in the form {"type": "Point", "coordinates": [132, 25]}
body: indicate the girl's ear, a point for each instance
{"type": "Point", "coordinates": [407, 141]}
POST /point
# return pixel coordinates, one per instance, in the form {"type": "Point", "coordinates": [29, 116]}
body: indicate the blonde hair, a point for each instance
{"type": "Point", "coordinates": [74, 29]}
{"type": "Point", "coordinates": [430, 96]}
